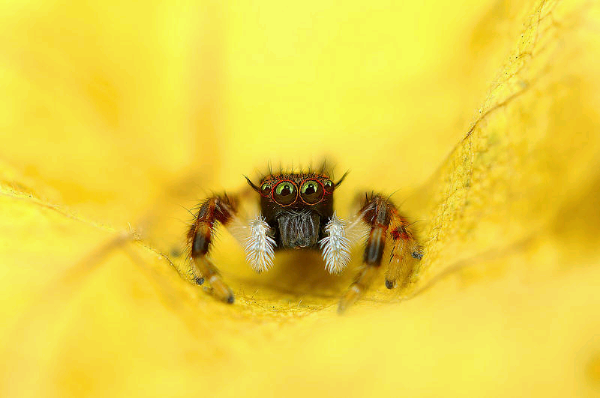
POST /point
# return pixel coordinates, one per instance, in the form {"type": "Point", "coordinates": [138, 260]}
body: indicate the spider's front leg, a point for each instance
{"type": "Point", "coordinates": [217, 209]}
{"type": "Point", "coordinates": [385, 221]}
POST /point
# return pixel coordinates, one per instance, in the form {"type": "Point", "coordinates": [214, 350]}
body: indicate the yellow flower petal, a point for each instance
{"type": "Point", "coordinates": [116, 118]}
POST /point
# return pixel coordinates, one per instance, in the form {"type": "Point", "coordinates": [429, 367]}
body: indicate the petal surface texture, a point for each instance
{"type": "Point", "coordinates": [481, 119]}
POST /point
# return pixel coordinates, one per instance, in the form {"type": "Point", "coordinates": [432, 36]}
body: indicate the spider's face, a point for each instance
{"type": "Point", "coordinates": [296, 207]}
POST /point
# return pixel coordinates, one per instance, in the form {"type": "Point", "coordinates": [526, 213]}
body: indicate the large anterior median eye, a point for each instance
{"type": "Point", "coordinates": [311, 192]}
{"type": "Point", "coordinates": [285, 193]}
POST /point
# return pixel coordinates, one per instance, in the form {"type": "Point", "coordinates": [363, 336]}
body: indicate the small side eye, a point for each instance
{"type": "Point", "coordinates": [328, 184]}
{"type": "Point", "coordinates": [285, 193]}
{"type": "Point", "coordinates": [265, 189]}
{"type": "Point", "coordinates": [311, 192]}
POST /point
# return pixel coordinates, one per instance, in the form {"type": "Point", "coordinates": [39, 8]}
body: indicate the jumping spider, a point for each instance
{"type": "Point", "coordinates": [295, 211]}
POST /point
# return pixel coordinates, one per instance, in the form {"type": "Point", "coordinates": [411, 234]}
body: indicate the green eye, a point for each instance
{"type": "Point", "coordinates": [311, 192]}
{"type": "Point", "coordinates": [328, 186]}
{"type": "Point", "coordinates": [265, 189]}
{"type": "Point", "coordinates": [285, 193]}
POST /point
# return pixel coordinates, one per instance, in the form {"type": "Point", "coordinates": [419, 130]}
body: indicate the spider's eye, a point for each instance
{"type": "Point", "coordinates": [328, 184]}
{"type": "Point", "coordinates": [265, 189]}
{"type": "Point", "coordinates": [285, 193]}
{"type": "Point", "coordinates": [311, 191]}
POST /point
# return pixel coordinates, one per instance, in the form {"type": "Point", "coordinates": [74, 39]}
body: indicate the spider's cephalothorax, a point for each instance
{"type": "Point", "coordinates": [296, 212]}
{"type": "Point", "coordinates": [296, 207]}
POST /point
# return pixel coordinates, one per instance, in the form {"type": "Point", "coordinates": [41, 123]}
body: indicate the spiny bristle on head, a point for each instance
{"type": "Point", "coordinates": [259, 245]}
{"type": "Point", "coordinates": [323, 167]}
{"type": "Point", "coordinates": [288, 172]}
{"type": "Point", "coordinates": [335, 246]}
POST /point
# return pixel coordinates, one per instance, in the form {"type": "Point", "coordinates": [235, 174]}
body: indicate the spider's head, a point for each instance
{"type": "Point", "coordinates": [297, 206]}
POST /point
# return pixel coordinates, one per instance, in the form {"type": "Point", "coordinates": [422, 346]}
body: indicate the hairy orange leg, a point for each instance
{"type": "Point", "coordinates": [384, 219]}
{"type": "Point", "coordinates": [217, 209]}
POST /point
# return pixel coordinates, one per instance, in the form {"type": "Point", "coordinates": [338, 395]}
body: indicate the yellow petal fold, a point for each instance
{"type": "Point", "coordinates": [481, 119]}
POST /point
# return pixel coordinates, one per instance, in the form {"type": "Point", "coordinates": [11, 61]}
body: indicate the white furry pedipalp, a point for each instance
{"type": "Point", "coordinates": [335, 246]}
{"type": "Point", "coordinates": [259, 246]}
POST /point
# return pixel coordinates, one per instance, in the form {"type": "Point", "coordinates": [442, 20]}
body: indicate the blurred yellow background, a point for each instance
{"type": "Point", "coordinates": [481, 117]}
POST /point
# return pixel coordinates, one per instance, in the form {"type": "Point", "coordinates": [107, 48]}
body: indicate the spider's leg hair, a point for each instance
{"type": "Point", "coordinates": [384, 220]}
{"type": "Point", "coordinates": [218, 209]}
{"type": "Point", "coordinates": [357, 230]}
{"type": "Point", "coordinates": [252, 233]}
{"type": "Point", "coordinates": [188, 210]}
{"type": "Point", "coordinates": [259, 245]}
{"type": "Point", "coordinates": [405, 250]}
{"type": "Point", "coordinates": [335, 246]}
